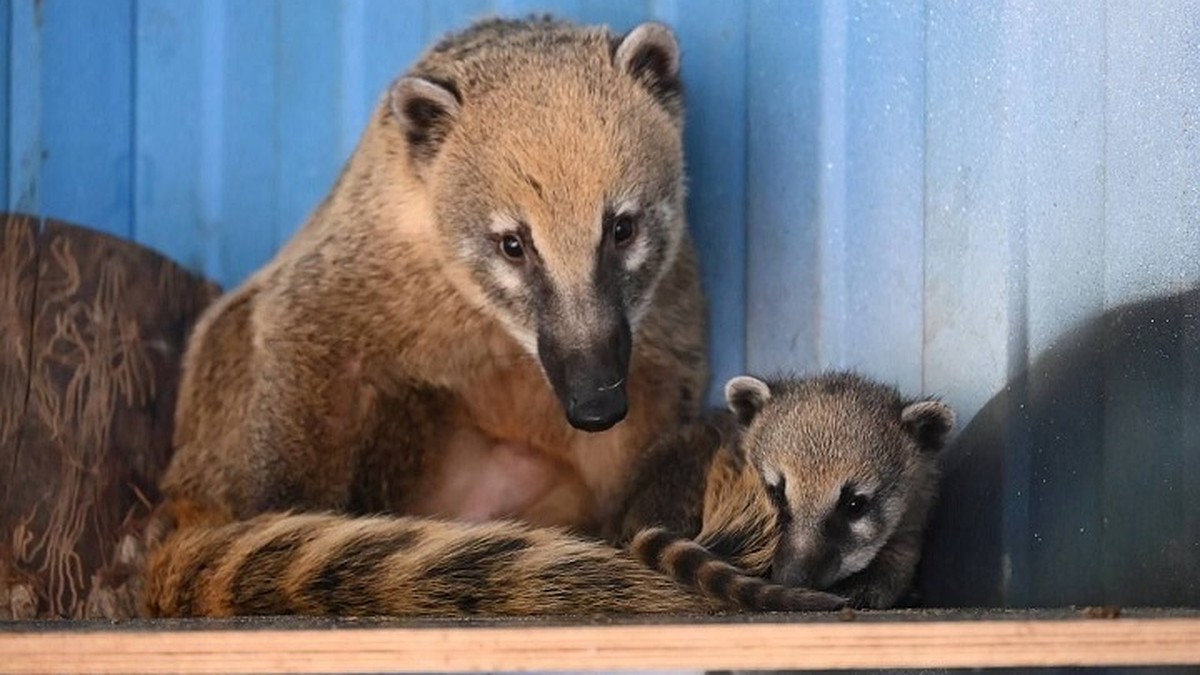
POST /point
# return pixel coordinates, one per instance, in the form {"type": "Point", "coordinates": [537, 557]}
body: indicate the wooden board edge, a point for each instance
{"type": "Point", "coordinates": [935, 644]}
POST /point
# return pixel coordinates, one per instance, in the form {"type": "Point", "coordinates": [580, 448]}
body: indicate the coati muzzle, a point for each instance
{"type": "Point", "coordinates": [590, 381]}
{"type": "Point", "coordinates": [814, 568]}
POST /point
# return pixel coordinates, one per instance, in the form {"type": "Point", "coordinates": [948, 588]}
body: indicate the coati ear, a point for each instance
{"type": "Point", "coordinates": [746, 397]}
{"type": "Point", "coordinates": [651, 55]}
{"type": "Point", "coordinates": [426, 111]}
{"type": "Point", "coordinates": [929, 422]}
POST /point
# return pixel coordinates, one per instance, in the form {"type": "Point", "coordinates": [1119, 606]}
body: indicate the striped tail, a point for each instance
{"type": "Point", "coordinates": [328, 565]}
{"type": "Point", "coordinates": [694, 566]}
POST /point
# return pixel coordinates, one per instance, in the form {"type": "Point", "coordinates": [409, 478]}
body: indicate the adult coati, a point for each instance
{"type": "Point", "coordinates": [491, 316]}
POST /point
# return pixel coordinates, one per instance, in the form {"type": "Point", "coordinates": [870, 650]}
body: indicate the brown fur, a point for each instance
{"type": "Point", "coordinates": [363, 344]}
{"type": "Point", "coordinates": [728, 558]}
{"type": "Point", "coordinates": [851, 468]}
{"type": "Point", "coordinates": [384, 360]}
{"type": "Point", "coordinates": [389, 359]}
{"type": "Point", "coordinates": [763, 490]}
{"type": "Point", "coordinates": [334, 565]}
{"type": "Point", "coordinates": [328, 564]}
{"type": "Point", "coordinates": [320, 564]}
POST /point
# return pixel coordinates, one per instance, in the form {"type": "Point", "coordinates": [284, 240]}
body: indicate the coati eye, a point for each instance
{"type": "Point", "coordinates": [624, 229]}
{"type": "Point", "coordinates": [512, 248]}
{"type": "Point", "coordinates": [853, 504]}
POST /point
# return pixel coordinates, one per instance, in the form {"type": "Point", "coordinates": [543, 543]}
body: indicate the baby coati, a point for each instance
{"type": "Point", "coordinates": [851, 469]}
{"type": "Point", "coordinates": [823, 482]}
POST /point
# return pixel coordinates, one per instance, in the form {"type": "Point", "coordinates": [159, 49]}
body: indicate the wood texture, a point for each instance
{"type": "Point", "coordinates": [884, 640]}
{"type": "Point", "coordinates": [18, 276]}
{"type": "Point", "coordinates": [94, 331]}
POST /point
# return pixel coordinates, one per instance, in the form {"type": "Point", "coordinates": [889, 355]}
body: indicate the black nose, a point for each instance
{"type": "Point", "coordinates": [817, 569]}
{"type": "Point", "coordinates": [589, 380]}
{"type": "Point", "coordinates": [598, 411]}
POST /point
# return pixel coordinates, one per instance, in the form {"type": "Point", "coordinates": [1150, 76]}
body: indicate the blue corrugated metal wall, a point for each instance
{"type": "Point", "coordinates": [995, 201]}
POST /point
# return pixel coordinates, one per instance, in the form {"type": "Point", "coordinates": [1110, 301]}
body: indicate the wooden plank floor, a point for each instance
{"type": "Point", "coordinates": [895, 639]}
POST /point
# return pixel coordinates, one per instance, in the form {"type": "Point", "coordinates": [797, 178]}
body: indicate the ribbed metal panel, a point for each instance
{"type": "Point", "coordinates": [993, 201]}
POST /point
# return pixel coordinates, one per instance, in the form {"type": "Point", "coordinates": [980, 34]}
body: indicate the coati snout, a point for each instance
{"type": "Point", "coordinates": [584, 340]}
{"type": "Point", "coordinates": [590, 382]}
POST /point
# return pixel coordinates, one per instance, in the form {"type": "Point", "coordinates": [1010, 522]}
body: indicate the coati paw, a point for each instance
{"type": "Point", "coordinates": [769, 597]}
{"type": "Point", "coordinates": [868, 596]}
{"type": "Point", "coordinates": [807, 600]}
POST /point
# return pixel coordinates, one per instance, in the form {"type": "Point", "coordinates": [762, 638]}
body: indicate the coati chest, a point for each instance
{"type": "Point", "coordinates": [503, 448]}
{"type": "Point", "coordinates": [499, 449]}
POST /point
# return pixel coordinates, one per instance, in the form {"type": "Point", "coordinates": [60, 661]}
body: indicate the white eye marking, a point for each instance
{"type": "Point", "coordinates": [771, 476]}
{"type": "Point", "coordinates": [508, 277]}
{"type": "Point", "coordinates": [502, 223]}
{"type": "Point", "coordinates": [858, 559]}
{"type": "Point", "coordinates": [863, 528]}
{"type": "Point", "coordinates": [624, 206]}
{"type": "Point", "coordinates": [637, 253]}
{"type": "Point", "coordinates": [526, 338]}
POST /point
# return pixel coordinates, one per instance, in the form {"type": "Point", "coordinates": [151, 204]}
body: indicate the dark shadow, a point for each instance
{"type": "Point", "coordinates": [1079, 483]}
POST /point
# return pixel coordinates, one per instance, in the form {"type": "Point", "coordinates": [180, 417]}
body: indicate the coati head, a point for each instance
{"type": "Point", "coordinates": [552, 158]}
{"type": "Point", "coordinates": [844, 460]}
